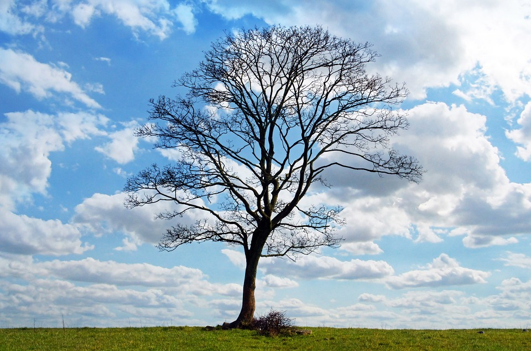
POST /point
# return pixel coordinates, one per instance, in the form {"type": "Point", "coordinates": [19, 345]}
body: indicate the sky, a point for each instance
{"type": "Point", "coordinates": [453, 251]}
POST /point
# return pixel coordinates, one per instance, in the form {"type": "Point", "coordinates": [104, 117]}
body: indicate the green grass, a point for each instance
{"type": "Point", "coordinates": [195, 338]}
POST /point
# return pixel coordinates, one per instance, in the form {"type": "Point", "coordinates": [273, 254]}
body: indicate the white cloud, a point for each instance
{"type": "Point", "coordinates": [123, 144]}
{"type": "Point", "coordinates": [119, 292]}
{"type": "Point", "coordinates": [83, 13]}
{"type": "Point", "coordinates": [10, 23]}
{"type": "Point", "coordinates": [129, 245]}
{"type": "Point", "coordinates": [235, 257]}
{"type": "Point", "coordinates": [363, 248]}
{"type": "Point", "coordinates": [512, 299]}
{"type": "Point", "coordinates": [121, 172]}
{"type": "Point", "coordinates": [475, 241]}
{"type": "Point", "coordinates": [369, 218]}
{"type": "Point", "coordinates": [103, 214]}
{"type": "Point", "coordinates": [500, 215]}
{"type": "Point", "coordinates": [20, 234]}
{"type": "Point", "coordinates": [96, 88]}
{"type": "Point", "coordinates": [427, 234]}
{"type": "Point", "coordinates": [121, 274]}
{"type": "Point", "coordinates": [464, 187]}
{"type": "Point", "coordinates": [273, 281]}
{"type": "Point", "coordinates": [371, 298]}
{"type": "Point", "coordinates": [464, 191]}
{"type": "Point", "coordinates": [157, 313]}
{"type": "Point", "coordinates": [104, 59]}
{"type": "Point", "coordinates": [421, 42]}
{"type": "Point", "coordinates": [155, 17]}
{"type": "Point", "coordinates": [82, 125]}
{"type": "Point", "coordinates": [28, 139]}
{"type": "Point", "coordinates": [522, 136]}
{"type": "Point", "coordinates": [515, 286]}
{"type": "Point", "coordinates": [186, 16]}
{"type": "Point", "coordinates": [48, 298]}
{"type": "Point", "coordinates": [433, 309]}
{"type": "Point", "coordinates": [316, 267]}
{"type": "Point", "coordinates": [455, 151]}
{"type": "Point", "coordinates": [427, 300]}
{"type": "Point", "coordinates": [17, 266]}
{"type": "Point", "coordinates": [295, 308]}
{"type": "Point", "coordinates": [231, 9]}
{"type": "Point", "coordinates": [443, 271]}
{"type": "Point", "coordinates": [481, 86]}
{"type": "Point", "coordinates": [21, 72]}
{"type": "Point", "coordinates": [517, 260]}
{"type": "Point", "coordinates": [36, 9]}
{"type": "Point", "coordinates": [150, 16]}
{"type": "Point", "coordinates": [323, 267]}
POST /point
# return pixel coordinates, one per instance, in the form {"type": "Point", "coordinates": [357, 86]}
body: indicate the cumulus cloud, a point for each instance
{"type": "Point", "coordinates": [20, 234]}
{"type": "Point", "coordinates": [522, 136]}
{"type": "Point", "coordinates": [363, 248]}
{"type": "Point", "coordinates": [368, 218]}
{"type": "Point", "coordinates": [515, 286]}
{"type": "Point", "coordinates": [318, 267]}
{"type": "Point", "coordinates": [429, 301]}
{"type": "Point", "coordinates": [235, 257]}
{"type": "Point", "coordinates": [121, 274]}
{"type": "Point", "coordinates": [421, 43]}
{"type": "Point", "coordinates": [294, 308]}
{"type": "Point", "coordinates": [21, 72]}
{"type": "Point", "coordinates": [517, 260]}
{"type": "Point", "coordinates": [455, 152]}
{"type": "Point", "coordinates": [273, 281]}
{"type": "Point", "coordinates": [476, 241]}
{"type": "Point", "coordinates": [428, 234]}
{"type": "Point", "coordinates": [102, 214]}
{"type": "Point", "coordinates": [129, 244]}
{"type": "Point", "coordinates": [28, 139]}
{"type": "Point", "coordinates": [81, 125]}
{"type": "Point", "coordinates": [512, 299]}
{"type": "Point", "coordinates": [185, 16]}
{"type": "Point", "coordinates": [365, 297]}
{"type": "Point", "coordinates": [123, 144]}
{"type": "Point", "coordinates": [443, 271]}
{"type": "Point", "coordinates": [418, 309]}
{"type": "Point", "coordinates": [119, 292]}
{"type": "Point", "coordinates": [49, 298]}
{"type": "Point", "coordinates": [465, 191]}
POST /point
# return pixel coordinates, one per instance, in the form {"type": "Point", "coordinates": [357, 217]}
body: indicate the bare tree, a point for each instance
{"type": "Point", "coordinates": [266, 113]}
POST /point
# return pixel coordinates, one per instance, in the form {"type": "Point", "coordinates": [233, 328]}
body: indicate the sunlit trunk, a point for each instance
{"type": "Point", "coordinates": [245, 318]}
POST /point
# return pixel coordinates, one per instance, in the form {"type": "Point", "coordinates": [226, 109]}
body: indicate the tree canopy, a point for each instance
{"type": "Point", "coordinates": [266, 113]}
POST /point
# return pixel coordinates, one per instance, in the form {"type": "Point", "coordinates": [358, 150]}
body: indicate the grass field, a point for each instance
{"type": "Point", "coordinates": [195, 338]}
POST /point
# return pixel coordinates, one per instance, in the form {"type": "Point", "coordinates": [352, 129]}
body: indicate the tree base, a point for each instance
{"type": "Point", "coordinates": [237, 325]}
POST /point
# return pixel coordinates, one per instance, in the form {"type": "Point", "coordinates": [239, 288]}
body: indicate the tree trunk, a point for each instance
{"type": "Point", "coordinates": [245, 319]}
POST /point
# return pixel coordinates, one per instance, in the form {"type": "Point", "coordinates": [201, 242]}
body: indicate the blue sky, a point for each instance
{"type": "Point", "coordinates": [450, 252]}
